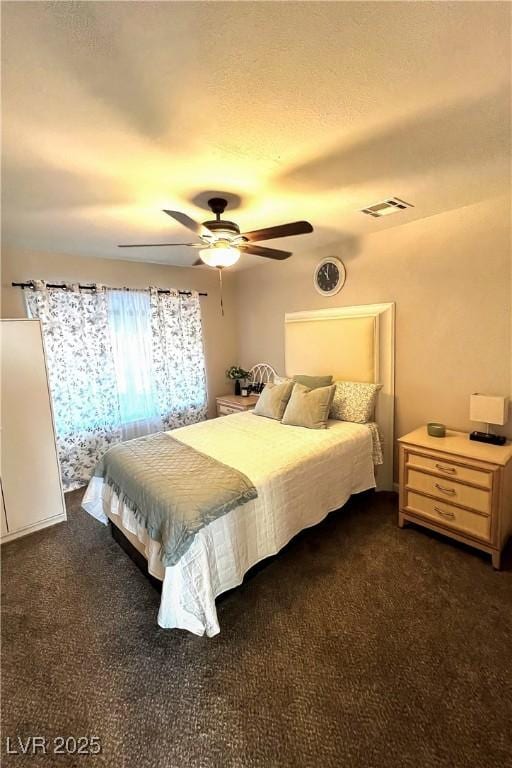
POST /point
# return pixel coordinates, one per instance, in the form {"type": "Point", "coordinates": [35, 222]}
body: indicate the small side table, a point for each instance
{"type": "Point", "coordinates": [227, 404]}
{"type": "Point", "coordinates": [458, 487]}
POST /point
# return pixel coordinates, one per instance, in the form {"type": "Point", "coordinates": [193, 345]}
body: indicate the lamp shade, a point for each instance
{"type": "Point", "coordinates": [489, 409]}
{"type": "Point", "coordinates": [220, 256]}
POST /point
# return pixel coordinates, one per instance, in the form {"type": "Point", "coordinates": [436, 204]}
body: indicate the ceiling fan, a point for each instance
{"type": "Point", "coordinates": [222, 242]}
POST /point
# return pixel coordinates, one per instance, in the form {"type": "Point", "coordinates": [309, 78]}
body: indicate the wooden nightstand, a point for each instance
{"type": "Point", "coordinates": [457, 487]}
{"type": "Point", "coordinates": [227, 404]}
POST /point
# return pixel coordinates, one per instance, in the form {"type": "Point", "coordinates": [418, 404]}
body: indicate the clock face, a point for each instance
{"type": "Point", "coordinates": [329, 276]}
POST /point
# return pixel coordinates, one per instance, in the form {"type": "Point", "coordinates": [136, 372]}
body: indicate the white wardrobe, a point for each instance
{"type": "Point", "coordinates": [31, 488]}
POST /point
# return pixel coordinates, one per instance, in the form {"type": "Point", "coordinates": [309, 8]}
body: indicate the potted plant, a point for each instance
{"type": "Point", "coordinates": [235, 373]}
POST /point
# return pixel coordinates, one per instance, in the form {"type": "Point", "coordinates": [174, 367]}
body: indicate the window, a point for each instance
{"type": "Point", "coordinates": [121, 364]}
{"type": "Point", "coordinates": [130, 333]}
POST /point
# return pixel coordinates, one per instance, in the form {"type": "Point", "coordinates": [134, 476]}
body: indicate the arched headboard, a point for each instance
{"type": "Point", "coordinates": [261, 373]}
{"type": "Point", "coordinates": [353, 344]}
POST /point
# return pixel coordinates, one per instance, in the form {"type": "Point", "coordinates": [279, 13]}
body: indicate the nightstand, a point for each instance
{"type": "Point", "coordinates": [457, 487]}
{"type": "Point", "coordinates": [227, 404]}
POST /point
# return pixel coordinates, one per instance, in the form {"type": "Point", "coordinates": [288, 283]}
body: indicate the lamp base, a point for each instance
{"type": "Point", "coordinates": [487, 437]}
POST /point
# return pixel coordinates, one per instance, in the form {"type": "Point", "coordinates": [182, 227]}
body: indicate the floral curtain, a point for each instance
{"type": "Point", "coordinates": [178, 357]}
{"type": "Point", "coordinates": [120, 364]}
{"type": "Point", "coordinates": [81, 375]}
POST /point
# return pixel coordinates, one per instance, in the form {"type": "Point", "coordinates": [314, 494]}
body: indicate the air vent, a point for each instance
{"type": "Point", "coordinates": [392, 205]}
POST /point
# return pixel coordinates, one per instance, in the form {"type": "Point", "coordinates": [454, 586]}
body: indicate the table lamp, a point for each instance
{"type": "Point", "coordinates": [491, 410]}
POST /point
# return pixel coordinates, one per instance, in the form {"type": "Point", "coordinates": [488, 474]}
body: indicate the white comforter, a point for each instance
{"type": "Point", "coordinates": [300, 474]}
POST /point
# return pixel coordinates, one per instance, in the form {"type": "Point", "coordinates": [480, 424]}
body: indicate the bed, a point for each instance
{"type": "Point", "coordinates": [300, 475]}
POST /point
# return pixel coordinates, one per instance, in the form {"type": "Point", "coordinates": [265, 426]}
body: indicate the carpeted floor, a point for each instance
{"type": "Point", "coordinates": [359, 645]}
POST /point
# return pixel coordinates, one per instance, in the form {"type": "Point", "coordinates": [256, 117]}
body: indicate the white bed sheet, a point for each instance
{"type": "Point", "coordinates": [300, 474]}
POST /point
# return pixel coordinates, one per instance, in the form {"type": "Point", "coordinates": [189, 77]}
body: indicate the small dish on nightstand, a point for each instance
{"type": "Point", "coordinates": [435, 429]}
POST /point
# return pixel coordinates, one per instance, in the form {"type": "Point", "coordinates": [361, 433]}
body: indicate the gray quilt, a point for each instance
{"type": "Point", "coordinates": [172, 489]}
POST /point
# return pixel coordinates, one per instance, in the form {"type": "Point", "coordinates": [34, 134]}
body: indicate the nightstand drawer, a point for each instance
{"type": "Point", "coordinates": [227, 404]}
{"type": "Point", "coordinates": [451, 470]}
{"type": "Point", "coordinates": [459, 519]}
{"type": "Point", "coordinates": [225, 410]}
{"type": "Point", "coordinates": [449, 490]}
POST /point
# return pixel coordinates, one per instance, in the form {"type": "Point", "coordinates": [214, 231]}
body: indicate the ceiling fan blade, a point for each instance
{"type": "Point", "coordinates": [268, 253]}
{"type": "Point", "coordinates": [283, 230]}
{"type": "Point", "coordinates": [160, 245]}
{"type": "Point", "coordinates": [197, 263]}
{"type": "Point", "coordinates": [195, 226]}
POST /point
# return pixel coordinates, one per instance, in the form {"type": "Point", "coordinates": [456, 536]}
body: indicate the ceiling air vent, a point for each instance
{"type": "Point", "coordinates": [392, 205]}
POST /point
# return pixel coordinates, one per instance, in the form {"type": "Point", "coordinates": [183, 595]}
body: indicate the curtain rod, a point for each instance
{"type": "Point", "coordinates": [92, 287]}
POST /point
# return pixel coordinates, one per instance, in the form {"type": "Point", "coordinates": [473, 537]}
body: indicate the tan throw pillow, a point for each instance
{"type": "Point", "coordinates": [354, 401]}
{"type": "Point", "coordinates": [272, 401]}
{"type": "Point", "coordinates": [309, 407]}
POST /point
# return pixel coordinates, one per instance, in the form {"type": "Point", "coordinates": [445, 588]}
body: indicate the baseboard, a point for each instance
{"type": "Point", "coordinates": [33, 528]}
{"type": "Point", "coordinates": [389, 489]}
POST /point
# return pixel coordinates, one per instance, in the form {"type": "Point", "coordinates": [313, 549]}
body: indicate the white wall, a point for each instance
{"type": "Point", "coordinates": [450, 276]}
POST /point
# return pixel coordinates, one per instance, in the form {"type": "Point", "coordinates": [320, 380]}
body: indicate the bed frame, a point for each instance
{"type": "Point", "coordinates": [140, 561]}
{"type": "Point", "coordinates": [142, 564]}
{"type": "Point", "coordinates": [134, 554]}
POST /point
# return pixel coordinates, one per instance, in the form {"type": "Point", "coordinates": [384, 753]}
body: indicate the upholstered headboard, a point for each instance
{"type": "Point", "coordinates": [345, 347]}
{"type": "Point", "coordinates": [353, 344]}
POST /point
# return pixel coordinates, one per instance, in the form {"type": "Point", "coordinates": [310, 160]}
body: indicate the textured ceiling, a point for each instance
{"type": "Point", "coordinates": [114, 110]}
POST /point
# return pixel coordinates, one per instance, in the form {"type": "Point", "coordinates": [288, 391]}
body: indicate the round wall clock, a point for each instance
{"type": "Point", "coordinates": [329, 277]}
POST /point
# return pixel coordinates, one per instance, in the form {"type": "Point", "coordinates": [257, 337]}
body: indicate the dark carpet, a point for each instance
{"type": "Point", "coordinates": [358, 645]}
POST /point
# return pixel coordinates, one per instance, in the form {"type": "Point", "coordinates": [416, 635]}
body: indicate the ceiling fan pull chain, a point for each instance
{"type": "Point", "coordinates": [220, 283]}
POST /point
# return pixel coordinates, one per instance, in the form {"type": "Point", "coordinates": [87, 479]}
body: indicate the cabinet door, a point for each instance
{"type": "Point", "coordinates": [30, 470]}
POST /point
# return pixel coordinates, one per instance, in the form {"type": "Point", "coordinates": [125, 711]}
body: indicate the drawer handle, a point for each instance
{"type": "Point", "coordinates": [444, 513]}
{"type": "Point", "coordinates": [442, 488]}
{"type": "Point", "coordinates": [448, 470]}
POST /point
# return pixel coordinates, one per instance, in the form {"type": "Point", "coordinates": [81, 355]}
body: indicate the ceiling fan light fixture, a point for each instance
{"type": "Point", "coordinates": [220, 240]}
{"type": "Point", "coordinates": [219, 256]}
